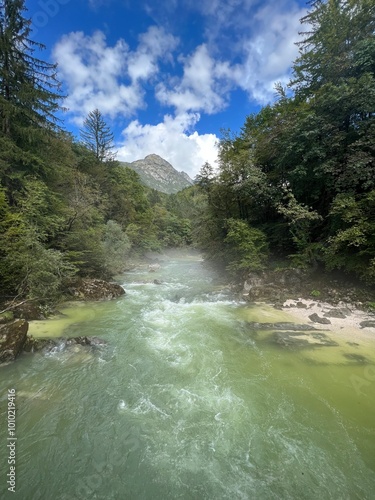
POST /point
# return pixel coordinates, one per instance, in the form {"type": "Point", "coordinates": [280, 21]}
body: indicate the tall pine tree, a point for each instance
{"type": "Point", "coordinates": [29, 99]}
{"type": "Point", "coordinates": [97, 136]}
{"type": "Point", "coordinates": [29, 89]}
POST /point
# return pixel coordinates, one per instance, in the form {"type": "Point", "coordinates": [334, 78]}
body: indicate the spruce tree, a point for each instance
{"type": "Point", "coordinates": [338, 44]}
{"type": "Point", "coordinates": [29, 89]}
{"type": "Point", "coordinates": [97, 136]}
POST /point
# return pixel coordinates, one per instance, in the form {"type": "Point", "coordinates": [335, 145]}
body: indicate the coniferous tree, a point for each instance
{"type": "Point", "coordinates": [339, 44]}
{"type": "Point", "coordinates": [97, 136]}
{"type": "Point", "coordinates": [29, 89]}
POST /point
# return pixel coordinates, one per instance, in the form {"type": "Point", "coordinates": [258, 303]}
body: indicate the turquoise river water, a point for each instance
{"type": "Point", "coordinates": [186, 402]}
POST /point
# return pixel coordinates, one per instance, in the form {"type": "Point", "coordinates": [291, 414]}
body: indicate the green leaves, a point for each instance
{"type": "Point", "coordinates": [352, 245]}
{"type": "Point", "coordinates": [248, 248]}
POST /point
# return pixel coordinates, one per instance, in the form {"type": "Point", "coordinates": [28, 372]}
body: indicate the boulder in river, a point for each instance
{"type": "Point", "coordinates": [95, 289]}
{"type": "Point", "coordinates": [37, 344]}
{"type": "Point", "coordinates": [46, 345]}
{"type": "Point", "coordinates": [86, 341]}
{"type": "Point", "coordinates": [12, 339]}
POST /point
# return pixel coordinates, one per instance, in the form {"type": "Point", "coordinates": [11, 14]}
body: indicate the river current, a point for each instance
{"type": "Point", "coordinates": [186, 402]}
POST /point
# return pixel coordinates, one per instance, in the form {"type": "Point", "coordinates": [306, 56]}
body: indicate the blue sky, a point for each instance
{"type": "Point", "coordinates": [168, 76]}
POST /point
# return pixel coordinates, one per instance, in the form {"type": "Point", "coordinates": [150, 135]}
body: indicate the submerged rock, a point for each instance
{"type": "Point", "coordinates": [95, 289]}
{"type": "Point", "coordinates": [302, 340]}
{"type": "Point", "coordinates": [358, 358]}
{"type": "Point", "coordinates": [317, 319]}
{"type": "Point", "coordinates": [39, 345]}
{"type": "Point", "coordinates": [280, 326]}
{"type": "Point", "coordinates": [12, 339]}
{"type": "Point", "coordinates": [86, 341]}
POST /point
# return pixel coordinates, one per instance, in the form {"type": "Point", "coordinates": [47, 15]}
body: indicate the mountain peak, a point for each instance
{"type": "Point", "coordinates": [157, 173]}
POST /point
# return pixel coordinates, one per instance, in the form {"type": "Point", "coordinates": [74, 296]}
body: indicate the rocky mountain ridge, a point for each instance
{"type": "Point", "coordinates": [157, 173]}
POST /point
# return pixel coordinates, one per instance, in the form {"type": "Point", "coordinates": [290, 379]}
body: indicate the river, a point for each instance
{"type": "Point", "coordinates": [185, 402]}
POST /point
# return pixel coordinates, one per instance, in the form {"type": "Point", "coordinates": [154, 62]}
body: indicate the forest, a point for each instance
{"type": "Point", "coordinates": [295, 184]}
{"type": "Point", "coordinates": [298, 181]}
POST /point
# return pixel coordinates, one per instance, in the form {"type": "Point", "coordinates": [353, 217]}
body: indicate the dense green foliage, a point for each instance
{"type": "Point", "coordinates": [298, 181]}
{"type": "Point", "coordinates": [66, 207]}
{"type": "Point", "coordinates": [302, 171]}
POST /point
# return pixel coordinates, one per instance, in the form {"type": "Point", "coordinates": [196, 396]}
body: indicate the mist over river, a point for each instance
{"type": "Point", "coordinates": [186, 402]}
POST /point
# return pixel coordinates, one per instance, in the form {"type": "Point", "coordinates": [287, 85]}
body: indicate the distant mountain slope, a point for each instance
{"type": "Point", "coordinates": [158, 174]}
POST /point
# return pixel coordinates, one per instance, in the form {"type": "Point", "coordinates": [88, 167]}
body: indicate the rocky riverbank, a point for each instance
{"type": "Point", "coordinates": [14, 320]}
{"type": "Point", "coordinates": [326, 303]}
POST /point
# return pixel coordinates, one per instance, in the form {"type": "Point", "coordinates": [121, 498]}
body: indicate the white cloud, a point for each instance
{"type": "Point", "coordinates": [203, 87]}
{"type": "Point", "coordinates": [173, 139]}
{"type": "Point", "coordinates": [153, 45]}
{"type": "Point", "coordinates": [270, 52]}
{"type": "Point", "coordinates": [109, 77]}
{"type": "Point", "coordinates": [259, 36]}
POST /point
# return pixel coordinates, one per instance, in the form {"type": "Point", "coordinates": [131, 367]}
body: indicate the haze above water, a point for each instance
{"type": "Point", "coordinates": [186, 402]}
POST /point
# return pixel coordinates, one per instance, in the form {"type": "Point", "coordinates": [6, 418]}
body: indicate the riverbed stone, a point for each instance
{"type": "Point", "coordinates": [302, 340]}
{"type": "Point", "coordinates": [358, 358]}
{"type": "Point", "coordinates": [12, 339]}
{"type": "Point", "coordinates": [286, 325]}
{"type": "Point", "coordinates": [301, 305]}
{"type": "Point", "coordinates": [317, 319]}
